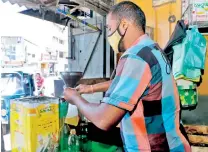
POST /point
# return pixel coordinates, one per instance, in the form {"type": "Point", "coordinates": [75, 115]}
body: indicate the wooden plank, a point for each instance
{"type": "Point", "coordinates": [199, 149]}
{"type": "Point", "coordinates": [196, 139]}
{"type": "Point", "coordinates": [194, 129]}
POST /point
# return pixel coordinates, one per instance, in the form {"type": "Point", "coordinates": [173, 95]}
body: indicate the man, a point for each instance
{"type": "Point", "coordinates": [40, 83]}
{"type": "Point", "coordinates": [143, 95]}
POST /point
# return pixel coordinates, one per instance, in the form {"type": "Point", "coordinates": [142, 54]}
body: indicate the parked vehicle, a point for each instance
{"type": "Point", "coordinates": [13, 85]}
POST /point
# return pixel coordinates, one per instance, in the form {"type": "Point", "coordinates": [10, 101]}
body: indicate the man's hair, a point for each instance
{"type": "Point", "coordinates": [130, 11]}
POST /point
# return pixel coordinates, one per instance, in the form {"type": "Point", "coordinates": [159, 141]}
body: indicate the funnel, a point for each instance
{"type": "Point", "coordinates": [71, 78]}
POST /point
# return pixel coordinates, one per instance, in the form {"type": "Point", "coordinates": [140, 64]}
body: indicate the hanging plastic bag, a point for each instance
{"type": "Point", "coordinates": [195, 49]}
{"type": "Point", "coordinates": [189, 56]}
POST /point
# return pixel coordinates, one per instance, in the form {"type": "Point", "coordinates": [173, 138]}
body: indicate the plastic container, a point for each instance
{"type": "Point", "coordinates": [63, 109]}
{"type": "Point", "coordinates": [63, 141]}
{"type": "Point", "coordinates": [34, 124]}
{"type": "Point", "coordinates": [188, 94]}
{"type": "Point", "coordinates": [72, 117]}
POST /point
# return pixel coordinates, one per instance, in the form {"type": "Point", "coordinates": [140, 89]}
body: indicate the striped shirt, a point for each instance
{"type": "Point", "coordinates": [144, 88]}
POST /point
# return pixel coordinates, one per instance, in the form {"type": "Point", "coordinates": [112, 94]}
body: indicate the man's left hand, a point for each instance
{"type": "Point", "coordinates": [70, 94]}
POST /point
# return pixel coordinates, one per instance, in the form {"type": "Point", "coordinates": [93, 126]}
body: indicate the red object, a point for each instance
{"type": "Point", "coordinates": [39, 82]}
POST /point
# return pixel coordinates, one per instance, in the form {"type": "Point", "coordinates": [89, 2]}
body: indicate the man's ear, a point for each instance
{"type": "Point", "coordinates": [123, 26]}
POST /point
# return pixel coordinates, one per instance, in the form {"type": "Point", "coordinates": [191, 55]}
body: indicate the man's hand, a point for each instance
{"type": "Point", "coordinates": [84, 89]}
{"type": "Point", "coordinates": [70, 94]}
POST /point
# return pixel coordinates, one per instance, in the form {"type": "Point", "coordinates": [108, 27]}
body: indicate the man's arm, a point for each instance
{"type": "Point", "coordinates": [88, 89]}
{"type": "Point", "coordinates": [132, 78]}
{"type": "Point", "coordinates": [103, 115]}
{"type": "Point", "coordinates": [102, 87]}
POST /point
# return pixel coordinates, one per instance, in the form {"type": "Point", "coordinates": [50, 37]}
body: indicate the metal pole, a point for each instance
{"type": "Point", "coordinates": [70, 54]}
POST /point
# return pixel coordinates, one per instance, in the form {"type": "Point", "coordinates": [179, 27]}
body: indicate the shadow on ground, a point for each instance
{"type": "Point", "coordinates": [199, 116]}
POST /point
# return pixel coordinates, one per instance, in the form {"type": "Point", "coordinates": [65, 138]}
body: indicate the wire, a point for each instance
{"type": "Point", "coordinates": [165, 58]}
{"type": "Point", "coordinates": [168, 65]}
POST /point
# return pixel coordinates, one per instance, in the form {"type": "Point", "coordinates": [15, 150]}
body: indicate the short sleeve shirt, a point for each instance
{"type": "Point", "coordinates": [148, 93]}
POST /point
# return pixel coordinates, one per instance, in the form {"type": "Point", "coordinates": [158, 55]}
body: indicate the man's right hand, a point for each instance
{"type": "Point", "coordinates": [84, 89]}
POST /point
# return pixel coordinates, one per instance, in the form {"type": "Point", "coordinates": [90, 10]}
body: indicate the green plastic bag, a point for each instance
{"type": "Point", "coordinates": [189, 56]}
{"type": "Point", "coordinates": [100, 147]}
{"type": "Point", "coordinates": [63, 139]}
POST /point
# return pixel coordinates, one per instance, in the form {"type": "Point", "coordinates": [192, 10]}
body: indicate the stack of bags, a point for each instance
{"type": "Point", "coordinates": [188, 63]}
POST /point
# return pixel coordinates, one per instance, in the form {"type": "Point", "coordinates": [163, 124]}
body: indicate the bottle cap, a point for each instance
{"type": "Point", "coordinates": [73, 132]}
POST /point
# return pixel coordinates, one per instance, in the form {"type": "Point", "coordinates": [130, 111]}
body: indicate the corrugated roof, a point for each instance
{"type": "Point", "coordinates": [26, 3]}
{"type": "Point", "coordinates": [101, 6]}
{"type": "Point", "coordinates": [11, 7]}
{"type": "Point", "coordinates": [46, 9]}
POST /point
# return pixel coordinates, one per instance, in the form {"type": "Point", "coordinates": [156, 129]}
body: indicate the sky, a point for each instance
{"type": "Point", "coordinates": [35, 30]}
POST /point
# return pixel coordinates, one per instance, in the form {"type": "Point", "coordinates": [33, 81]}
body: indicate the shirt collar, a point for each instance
{"type": "Point", "coordinates": [140, 39]}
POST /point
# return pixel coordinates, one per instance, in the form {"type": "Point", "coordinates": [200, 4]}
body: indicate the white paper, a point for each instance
{"type": "Point", "coordinates": [19, 138]}
{"type": "Point", "coordinates": [7, 142]}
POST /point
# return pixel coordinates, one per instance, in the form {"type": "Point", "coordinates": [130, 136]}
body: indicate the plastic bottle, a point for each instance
{"type": "Point", "coordinates": [73, 142]}
{"type": "Point", "coordinates": [85, 144]}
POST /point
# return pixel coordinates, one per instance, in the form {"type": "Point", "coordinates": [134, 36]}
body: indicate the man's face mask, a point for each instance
{"type": "Point", "coordinates": [115, 40]}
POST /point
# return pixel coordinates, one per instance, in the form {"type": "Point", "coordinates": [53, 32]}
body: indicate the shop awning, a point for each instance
{"type": "Point", "coordinates": [48, 7]}
{"type": "Point", "coordinates": [101, 6]}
